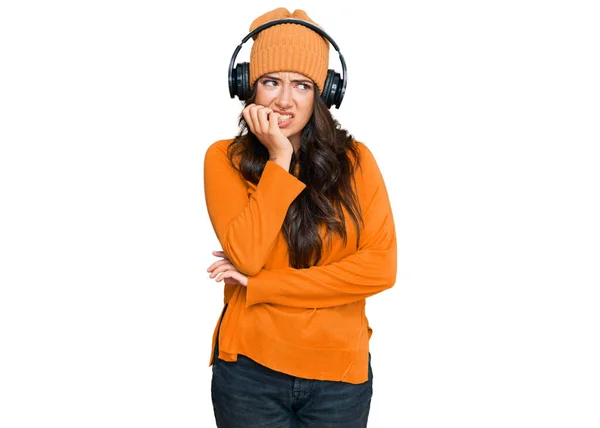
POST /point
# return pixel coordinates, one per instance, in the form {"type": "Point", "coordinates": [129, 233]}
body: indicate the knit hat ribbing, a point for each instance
{"type": "Point", "coordinates": [288, 47]}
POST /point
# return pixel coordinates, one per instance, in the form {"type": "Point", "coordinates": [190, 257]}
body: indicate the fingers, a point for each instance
{"type": "Point", "coordinates": [233, 277]}
{"type": "Point", "coordinates": [261, 120]}
{"type": "Point", "coordinates": [219, 267]}
{"type": "Point", "coordinates": [217, 264]}
{"type": "Point", "coordinates": [248, 118]}
{"type": "Point", "coordinates": [251, 116]}
{"type": "Point", "coordinates": [228, 273]}
{"type": "Point", "coordinates": [224, 270]}
{"type": "Point", "coordinates": [274, 123]}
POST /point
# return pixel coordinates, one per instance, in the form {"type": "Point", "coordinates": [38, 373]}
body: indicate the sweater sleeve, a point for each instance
{"type": "Point", "coordinates": [246, 223]}
{"type": "Point", "coordinates": [370, 270]}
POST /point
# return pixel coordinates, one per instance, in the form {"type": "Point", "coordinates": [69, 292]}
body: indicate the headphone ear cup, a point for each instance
{"type": "Point", "coordinates": [232, 82]}
{"type": "Point", "coordinates": [239, 83]}
{"type": "Point", "coordinates": [333, 89]}
{"type": "Point", "coordinates": [244, 81]}
{"type": "Point", "coordinates": [326, 95]}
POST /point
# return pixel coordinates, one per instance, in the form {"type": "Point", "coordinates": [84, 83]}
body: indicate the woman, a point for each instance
{"type": "Point", "coordinates": [307, 233]}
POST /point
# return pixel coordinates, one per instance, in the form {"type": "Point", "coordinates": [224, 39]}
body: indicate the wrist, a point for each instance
{"type": "Point", "coordinates": [279, 156]}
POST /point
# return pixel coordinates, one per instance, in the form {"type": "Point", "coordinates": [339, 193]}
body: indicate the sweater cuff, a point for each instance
{"type": "Point", "coordinates": [253, 290]}
{"type": "Point", "coordinates": [274, 177]}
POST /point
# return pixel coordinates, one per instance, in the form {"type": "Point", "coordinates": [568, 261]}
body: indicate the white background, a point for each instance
{"type": "Point", "coordinates": [483, 116]}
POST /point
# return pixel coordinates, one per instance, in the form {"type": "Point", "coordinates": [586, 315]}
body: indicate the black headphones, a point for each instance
{"type": "Point", "coordinates": [333, 89]}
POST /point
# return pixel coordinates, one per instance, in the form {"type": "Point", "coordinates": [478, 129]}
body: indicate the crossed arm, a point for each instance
{"type": "Point", "coordinates": [247, 226]}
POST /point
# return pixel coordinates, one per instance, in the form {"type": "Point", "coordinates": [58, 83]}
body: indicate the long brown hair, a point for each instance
{"type": "Point", "coordinates": [327, 159]}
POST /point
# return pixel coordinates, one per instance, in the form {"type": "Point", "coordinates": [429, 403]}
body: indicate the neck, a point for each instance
{"type": "Point", "coordinates": [296, 142]}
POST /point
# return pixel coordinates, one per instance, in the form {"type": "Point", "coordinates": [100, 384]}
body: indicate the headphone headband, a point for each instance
{"type": "Point", "coordinates": [333, 79]}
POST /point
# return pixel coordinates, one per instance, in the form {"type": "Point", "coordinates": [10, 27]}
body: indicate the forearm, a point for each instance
{"type": "Point", "coordinates": [246, 218]}
{"type": "Point", "coordinates": [353, 278]}
{"type": "Point", "coordinates": [369, 270]}
{"type": "Point", "coordinates": [282, 159]}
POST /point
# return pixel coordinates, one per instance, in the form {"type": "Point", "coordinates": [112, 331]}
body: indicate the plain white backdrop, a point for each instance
{"type": "Point", "coordinates": [483, 116]}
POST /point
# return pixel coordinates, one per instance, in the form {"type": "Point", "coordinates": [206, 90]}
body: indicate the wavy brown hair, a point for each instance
{"type": "Point", "coordinates": [327, 159]}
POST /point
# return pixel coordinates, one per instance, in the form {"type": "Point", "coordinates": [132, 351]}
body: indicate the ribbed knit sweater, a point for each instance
{"type": "Point", "coordinates": [311, 322]}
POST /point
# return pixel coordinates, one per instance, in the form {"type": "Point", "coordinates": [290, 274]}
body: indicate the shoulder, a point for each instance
{"type": "Point", "coordinates": [219, 147]}
{"type": "Point", "coordinates": [366, 159]}
{"type": "Point", "coordinates": [216, 157]}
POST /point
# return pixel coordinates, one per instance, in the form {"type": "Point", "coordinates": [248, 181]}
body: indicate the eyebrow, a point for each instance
{"type": "Point", "coordinates": [268, 76]}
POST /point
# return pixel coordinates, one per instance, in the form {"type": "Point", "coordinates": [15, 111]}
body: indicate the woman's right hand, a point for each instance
{"type": "Point", "coordinates": [262, 121]}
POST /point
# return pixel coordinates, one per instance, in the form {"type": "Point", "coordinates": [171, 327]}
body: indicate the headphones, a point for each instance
{"type": "Point", "coordinates": [333, 89]}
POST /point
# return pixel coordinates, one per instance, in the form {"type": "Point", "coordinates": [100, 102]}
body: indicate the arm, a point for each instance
{"type": "Point", "coordinates": [371, 269]}
{"type": "Point", "coordinates": [246, 223]}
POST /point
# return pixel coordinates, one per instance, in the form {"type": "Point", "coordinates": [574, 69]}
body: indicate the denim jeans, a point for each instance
{"type": "Point", "coordinates": [246, 394]}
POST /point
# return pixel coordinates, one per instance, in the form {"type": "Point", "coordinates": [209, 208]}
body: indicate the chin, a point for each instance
{"type": "Point", "coordinates": [288, 132]}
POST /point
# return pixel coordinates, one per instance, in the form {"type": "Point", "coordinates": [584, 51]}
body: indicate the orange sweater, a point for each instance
{"type": "Point", "coordinates": [308, 323]}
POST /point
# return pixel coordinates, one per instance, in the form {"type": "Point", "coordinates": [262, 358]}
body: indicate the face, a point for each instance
{"type": "Point", "coordinates": [291, 95]}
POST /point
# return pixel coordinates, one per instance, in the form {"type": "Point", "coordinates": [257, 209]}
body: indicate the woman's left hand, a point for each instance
{"type": "Point", "coordinates": [224, 270]}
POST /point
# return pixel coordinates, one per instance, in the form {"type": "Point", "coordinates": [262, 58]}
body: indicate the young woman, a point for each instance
{"type": "Point", "coordinates": [307, 234]}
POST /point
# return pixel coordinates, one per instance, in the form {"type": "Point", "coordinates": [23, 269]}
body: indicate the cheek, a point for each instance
{"type": "Point", "coordinates": [307, 109]}
{"type": "Point", "coordinates": [308, 104]}
{"type": "Point", "coordinates": [263, 98]}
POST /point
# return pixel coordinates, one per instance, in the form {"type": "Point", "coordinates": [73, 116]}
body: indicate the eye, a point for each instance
{"type": "Point", "coordinates": [269, 82]}
{"type": "Point", "coordinates": [305, 86]}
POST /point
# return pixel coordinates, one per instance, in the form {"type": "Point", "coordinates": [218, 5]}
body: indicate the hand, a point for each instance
{"type": "Point", "coordinates": [224, 270]}
{"type": "Point", "coordinates": [262, 121]}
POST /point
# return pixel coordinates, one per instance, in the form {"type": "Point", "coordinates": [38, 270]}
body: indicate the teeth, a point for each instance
{"type": "Point", "coordinates": [283, 118]}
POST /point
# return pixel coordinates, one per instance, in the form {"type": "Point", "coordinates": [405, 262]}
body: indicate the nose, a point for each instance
{"type": "Point", "coordinates": [284, 97]}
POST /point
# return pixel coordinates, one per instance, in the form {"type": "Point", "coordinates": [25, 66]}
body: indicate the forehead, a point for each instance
{"type": "Point", "coordinates": [288, 75]}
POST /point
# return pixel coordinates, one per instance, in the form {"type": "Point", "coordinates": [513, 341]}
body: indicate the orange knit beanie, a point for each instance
{"type": "Point", "coordinates": [288, 47]}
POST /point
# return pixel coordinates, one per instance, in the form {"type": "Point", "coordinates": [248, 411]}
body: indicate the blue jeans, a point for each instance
{"type": "Point", "coordinates": [246, 394]}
